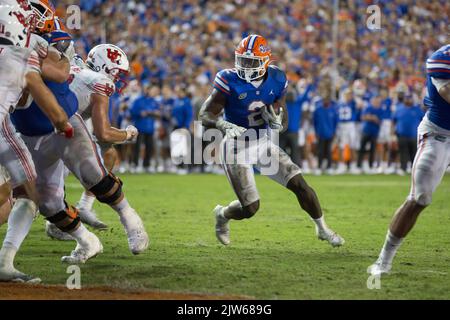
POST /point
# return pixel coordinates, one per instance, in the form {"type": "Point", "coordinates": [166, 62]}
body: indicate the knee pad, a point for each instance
{"type": "Point", "coordinates": [66, 220]}
{"type": "Point", "coordinates": [109, 190]}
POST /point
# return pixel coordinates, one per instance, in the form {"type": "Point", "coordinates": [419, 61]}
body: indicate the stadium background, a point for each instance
{"type": "Point", "coordinates": [178, 46]}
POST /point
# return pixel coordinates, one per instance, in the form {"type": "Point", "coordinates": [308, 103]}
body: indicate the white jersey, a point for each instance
{"type": "Point", "coordinates": [15, 64]}
{"type": "Point", "coordinates": [84, 83]}
{"type": "Point", "coordinates": [40, 45]}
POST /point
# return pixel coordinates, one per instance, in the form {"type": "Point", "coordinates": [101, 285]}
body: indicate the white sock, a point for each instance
{"type": "Point", "coordinates": [86, 201]}
{"type": "Point", "coordinates": [320, 223]}
{"type": "Point", "coordinates": [390, 247]}
{"type": "Point", "coordinates": [81, 234]}
{"type": "Point", "coordinates": [234, 207]}
{"type": "Point", "coordinates": [125, 211]}
{"type": "Point", "coordinates": [7, 255]}
{"type": "Point", "coordinates": [19, 222]}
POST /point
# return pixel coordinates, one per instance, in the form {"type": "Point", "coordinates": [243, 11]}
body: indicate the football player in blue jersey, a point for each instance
{"type": "Point", "coordinates": [251, 97]}
{"type": "Point", "coordinates": [431, 161]}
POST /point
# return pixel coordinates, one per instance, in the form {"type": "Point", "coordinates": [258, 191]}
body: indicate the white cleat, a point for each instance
{"type": "Point", "coordinates": [90, 218]}
{"type": "Point", "coordinates": [54, 233]}
{"type": "Point", "coordinates": [222, 226]}
{"type": "Point", "coordinates": [13, 275]}
{"type": "Point", "coordinates": [332, 237]}
{"type": "Point", "coordinates": [379, 268]}
{"type": "Point", "coordinates": [81, 254]}
{"type": "Point", "coordinates": [138, 240]}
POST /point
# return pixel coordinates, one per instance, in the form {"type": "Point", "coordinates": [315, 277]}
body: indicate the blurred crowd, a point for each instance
{"type": "Point", "coordinates": [176, 48]}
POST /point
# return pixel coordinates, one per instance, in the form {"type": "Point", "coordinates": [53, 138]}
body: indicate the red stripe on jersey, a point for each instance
{"type": "Point", "coordinates": [221, 89]}
{"type": "Point", "coordinates": [439, 61]}
{"type": "Point", "coordinates": [222, 79]}
{"type": "Point", "coordinates": [430, 70]}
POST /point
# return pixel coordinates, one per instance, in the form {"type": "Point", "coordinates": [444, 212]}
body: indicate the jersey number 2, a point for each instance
{"type": "Point", "coordinates": [254, 118]}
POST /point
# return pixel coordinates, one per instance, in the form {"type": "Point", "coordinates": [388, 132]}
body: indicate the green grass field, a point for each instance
{"type": "Point", "coordinates": [274, 255]}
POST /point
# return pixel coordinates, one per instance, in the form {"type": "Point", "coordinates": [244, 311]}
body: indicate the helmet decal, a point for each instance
{"type": "Point", "coordinates": [114, 55]}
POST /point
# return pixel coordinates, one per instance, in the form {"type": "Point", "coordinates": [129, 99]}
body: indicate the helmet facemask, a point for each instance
{"type": "Point", "coordinates": [42, 14]}
{"type": "Point", "coordinates": [120, 78]}
{"type": "Point", "coordinates": [250, 67]}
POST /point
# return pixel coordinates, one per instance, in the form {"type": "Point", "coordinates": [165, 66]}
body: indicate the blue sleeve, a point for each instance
{"type": "Point", "coordinates": [336, 119]}
{"type": "Point", "coordinates": [188, 115]}
{"type": "Point", "coordinates": [221, 82]}
{"type": "Point", "coordinates": [315, 116]}
{"type": "Point", "coordinates": [438, 65]}
{"type": "Point", "coordinates": [135, 110]}
{"type": "Point", "coordinates": [395, 116]}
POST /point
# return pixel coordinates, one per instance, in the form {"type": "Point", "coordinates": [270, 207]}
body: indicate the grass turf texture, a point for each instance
{"type": "Point", "coordinates": [274, 255]}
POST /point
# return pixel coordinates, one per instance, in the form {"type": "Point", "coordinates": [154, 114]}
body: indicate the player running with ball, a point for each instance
{"type": "Point", "coordinates": [249, 95]}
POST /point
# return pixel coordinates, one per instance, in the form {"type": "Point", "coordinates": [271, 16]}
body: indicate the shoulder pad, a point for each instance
{"type": "Point", "coordinates": [98, 83]}
{"type": "Point", "coordinates": [438, 64]}
{"type": "Point", "coordinates": [223, 79]}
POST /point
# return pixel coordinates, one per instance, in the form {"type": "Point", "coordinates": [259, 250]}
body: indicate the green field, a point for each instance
{"type": "Point", "coordinates": [275, 255]}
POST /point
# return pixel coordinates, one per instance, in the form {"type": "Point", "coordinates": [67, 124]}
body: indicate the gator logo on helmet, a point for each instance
{"type": "Point", "coordinates": [264, 49]}
{"type": "Point", "coordinates": [114, 55]}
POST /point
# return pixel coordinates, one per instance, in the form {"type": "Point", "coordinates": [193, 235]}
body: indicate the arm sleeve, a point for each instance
{"type": "Point", "coordinates": [221, 83]}
{"type": "Point", "coordinates": [135, 110]}
{"type": "Point", "coordinates": [189, 114]}
{"type": "Point", "coordinates": [33, 63]}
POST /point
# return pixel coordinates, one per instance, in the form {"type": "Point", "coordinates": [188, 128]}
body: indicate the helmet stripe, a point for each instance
{"type": "Point", "coordinates": [251, 43]}
{"type": "Point", "coordinates": [57, 25]}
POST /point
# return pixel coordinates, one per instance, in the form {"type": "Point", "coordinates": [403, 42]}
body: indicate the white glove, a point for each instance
{"type": "Point", "coordinates": [231, 130]}
{"type": "Point", "coordinates": [70, 52]}
{"type": "Point", "coordinates": [78, 61]}
{"type": "Point", "coordinates": [275, 121]}
{"type": "Point", "coordinates": [132, 132]}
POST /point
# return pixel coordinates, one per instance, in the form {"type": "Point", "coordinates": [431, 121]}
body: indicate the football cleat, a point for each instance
{"type": "Point", "coordinates": [222, 226]}
{"type": "Point", "coordinates": [54, 233]}
{"type": "Point", "coordinates": [90, 218]}
{"type": "Point", "coordinates": [81, 254]}
{"type": "Point", "coordinates": [138, 240]}
{"type": "Point", "coordinates": [379, 268]}
{"type": "Point", "coordinates": [332, 237]}
{"type": "Point", "coordinates": [13, 275]}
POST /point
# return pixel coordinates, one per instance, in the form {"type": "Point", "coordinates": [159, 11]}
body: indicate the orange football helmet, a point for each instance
{"type": "Point", "coordinates": [53, 24]}
{"type": "Point", "coordinates": [43, 11]}
{"type": "Point", "coordinates": [252, 57]}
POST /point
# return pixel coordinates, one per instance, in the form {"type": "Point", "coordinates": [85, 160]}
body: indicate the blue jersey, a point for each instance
{"type": "Point", "coordinates": [438, 67]}
{"type": "Point", "coordinates": [33, 122]}
{"type": "Point", "coordinates": [371, 128]}
{"type": "Point", "coordinates": [244, 101]}
{"type": "Point", "coordinates": [325, 120]}
{"type": "Point", "coordinates": [347, 111]}
{"type": "Point", "coordinates": [386, 106]}
{"type": "Point", "coordinates": [407, 120]}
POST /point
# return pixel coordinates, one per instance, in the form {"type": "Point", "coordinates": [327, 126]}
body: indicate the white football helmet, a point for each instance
{"type": "Point", "coordinates": [16, 23]}
{"type": "Point", "coordinates": [111, 61]}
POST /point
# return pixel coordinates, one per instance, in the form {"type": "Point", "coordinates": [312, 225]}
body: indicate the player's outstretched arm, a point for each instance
{"type": "Point", "coordinates": [103, 130]}
{"type": "Point", "coordinates": [55, 68]}
{"type": "Point", "coordinates": [210, 115]}
{"type": "Point", "coordinates": [48, 103]}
